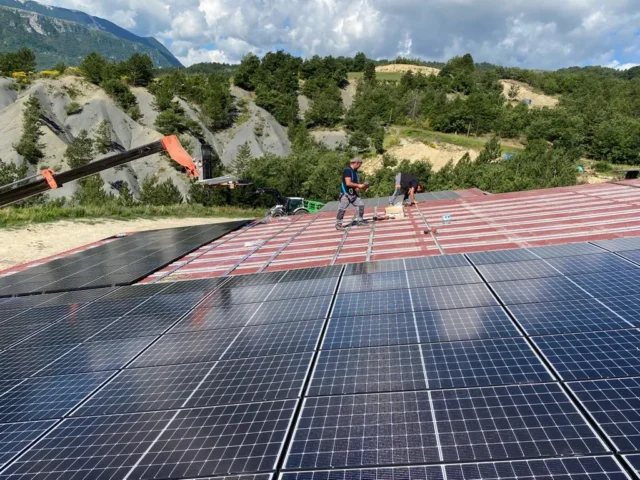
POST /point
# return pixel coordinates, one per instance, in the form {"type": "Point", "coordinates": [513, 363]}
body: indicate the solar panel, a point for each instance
{"type": "Point", "coordinates": [147, 389]}
{"type": "Point", "coordinates": [132, 326]}
{"type": "Point", "coordinates": [610, 284]}
{"type": "Point", "coordinates": [384, 266]}
{"type": "Point", "coordinates": [48, 397]}
{"type": "Point", "coordinates": [568, 250]}
{"type": "Point", "coordinates": [538, 290]}
{"type": "Point", "coordinates": [303, 288]}
{"type": "Point", "coordinates": [253, 380]}
{"type": "Point", "coordinates": [45, 315]}
{"type": "Point", "coordinates": [216, 318]}
{"type": "Point", "coordinates": [368, 370]}
{"type": "Point", "coordinates": [97, 356]}
{"type": "Point", "coordinates": [479, 363]}
{"type": "Point", "coordinates": [14, 437]}
{"type": "Point", "coordinates": [13, 333]}
{"type": "Point", "coordinates": [314, 273]}
{"type": "Point", "coordinates": [593, 355]}
{"type": "Point", "coordinates": [24, 362]}
{"type": "Point", "coordinates": [631, 255]}
{"type": "Point", "coordinates": [454, 296]}
{"type": "Point", "coordinates": [219, 440]}
{"type": "Point", "coordinates": [619, 244]}
{"type": "Point", "coordinates": [436, 277]}
{"type": "Point", "coordinates": [501, 256]}
{"type": "Point", "coordinates": [374, 281]}
{"type": "Point", "coordinates": [571, 316]}
{"type": "Point", "coordinates": [360, 430]}
{"type": "Point", "coordinates": [510, 422]}
{"type": "Point", "coordinates": [613, 404]}
{"type": "Point", "coordinates": [486, 423]}
{"type": "Point", "coordinates": [225, 296]}
{"type": "Point", "coordinates": [627, 307]}
{"type": "Point", "coordinates": [92, 447]}
{"type": "Point", "coordinates": [372, 303]}
{"type": "Point", "coordinates": [296, 309]}
{"type": "Point", "coordinates": [601, 468]}
{"type": "Point", "coordinates": [202, 285]}
{"type": "Point", "coordinates": [501, 272]}
{"type": "Point", "coordinates": [196, 347]}
{"type": "Point", "coordinates": [278, 339]}
{"type": "Point", "coordinates": [603, 262]}
{"type": "Point", "coordinates": [254, 280]}
{"type": "Point", "coordinates": [369, 331]}
{"type": "Point", "coordinates": [634, 462]}
{"type": "Point", "coordinates": [439, 261]}
{"type": "Point", "coordinates": [464, 324]}
{"type": "Point", "coordinates": [69, 331]}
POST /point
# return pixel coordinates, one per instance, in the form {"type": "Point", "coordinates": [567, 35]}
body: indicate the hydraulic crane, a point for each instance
{"type": "Point", "coordinates": [47, 179]}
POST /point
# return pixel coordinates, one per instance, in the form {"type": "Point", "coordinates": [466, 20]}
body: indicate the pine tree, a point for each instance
{"type": "Point", "coordinates": [240, 164]}
{"type": "Point", "coordinates": [370, 72]}
{"type": "Point", "coordinates": [29, 145]}
{"type": "Point", "coordinates": [93, 67]}
{"type": "Point", "coordinates": [245, 75]}
{"type": "Point", "coordinates": [91, 191]}
{"type": "Point", "coordinates": [103, 142]}
{"type": "Point", "coordinates": [80, 151]}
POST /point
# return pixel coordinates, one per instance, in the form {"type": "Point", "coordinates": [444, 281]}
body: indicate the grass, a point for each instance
{"type": "Point", "coordinates": [475, 143]}
{"type": "Point", "coordinates": [14, 217]}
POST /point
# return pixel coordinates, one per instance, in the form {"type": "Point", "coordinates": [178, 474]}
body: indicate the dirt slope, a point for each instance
{"type": "Point", "coordinates": [525, 91]}
{"type": "Point", "coordinates": [399, 67]}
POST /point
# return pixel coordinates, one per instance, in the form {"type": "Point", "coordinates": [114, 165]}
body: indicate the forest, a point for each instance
{"type": "Point", "coordinates": [598, 118]}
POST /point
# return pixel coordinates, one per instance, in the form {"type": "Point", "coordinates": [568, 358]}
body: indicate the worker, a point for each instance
{"type": "Point", "coordinates": [409, 185]}
{"type": "Point", "coordinates": [349, 193]}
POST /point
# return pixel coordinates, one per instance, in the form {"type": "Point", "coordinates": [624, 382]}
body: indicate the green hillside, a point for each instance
{"type": "Point", "coordinates": [60, 35]}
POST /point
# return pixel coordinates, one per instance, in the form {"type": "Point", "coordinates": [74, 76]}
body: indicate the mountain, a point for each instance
{"type": "Point", "coordinates": [63, 35]}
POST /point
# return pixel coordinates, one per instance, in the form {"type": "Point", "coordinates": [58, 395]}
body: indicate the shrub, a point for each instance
{"type": "Point", "coordinates": [159, 193]}
{"type": "Point", "coordinates": [603, 167]}
{"type": "Point", "coordinates": [73, 108]}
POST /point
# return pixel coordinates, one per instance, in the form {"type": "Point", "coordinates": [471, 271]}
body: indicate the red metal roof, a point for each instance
{"type": "Point", "coordinates": [478, 222]}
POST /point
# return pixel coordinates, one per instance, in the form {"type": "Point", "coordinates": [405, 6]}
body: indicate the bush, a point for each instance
{"type": "Point", "coordinates": [73, 108]}
{"type": "Point", "coordinates": [91, 191]}
{"type": "Point", "coordinates": [29, 146]}
{"type": "Point", "coordinates": [159, 194]}
{"type": "Point", "coordinates": [603, 167]}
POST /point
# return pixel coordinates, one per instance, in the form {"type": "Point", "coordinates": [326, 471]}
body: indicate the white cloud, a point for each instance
{"type": "Point", "coordinates": [622, 66]}
{"type": "Point", "coordinates": [538, 34]}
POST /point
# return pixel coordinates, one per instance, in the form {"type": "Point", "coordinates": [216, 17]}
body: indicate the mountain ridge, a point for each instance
{"type": "Point", "coordinates": [63, 35]}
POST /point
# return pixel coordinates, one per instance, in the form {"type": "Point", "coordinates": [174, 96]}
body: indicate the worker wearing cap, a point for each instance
{"type": "Point", "coordinates": [349, 193]}
{"type": "Point", "coordinates": [409, 185]}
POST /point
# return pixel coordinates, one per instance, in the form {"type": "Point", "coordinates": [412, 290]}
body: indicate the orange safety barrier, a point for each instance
{"type": "Point", "coordinates": [178, 154]}
{"type": "Point", "coordinates": [48, 176]}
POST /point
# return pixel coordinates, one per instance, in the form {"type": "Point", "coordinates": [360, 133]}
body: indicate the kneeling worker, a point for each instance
{"type": "Point", "coordinates": [349, 193]}
{"type": "Point", "coordinates": [407, 183]}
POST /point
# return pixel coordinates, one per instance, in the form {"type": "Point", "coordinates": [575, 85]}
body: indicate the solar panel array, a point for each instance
{"type": "Point", "coordinates": [456, 367]}
{"type": "Point", "coordinates": [120, 262]}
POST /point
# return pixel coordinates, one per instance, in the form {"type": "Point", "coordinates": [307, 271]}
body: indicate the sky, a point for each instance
{"type": "Point", "coordinates": [544, 34]}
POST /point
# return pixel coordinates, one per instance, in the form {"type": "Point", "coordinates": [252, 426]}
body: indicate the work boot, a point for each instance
{"type": "Point", "coordinates": [340, 227]}
{"type": "Point", "coordinates": [362, 222]}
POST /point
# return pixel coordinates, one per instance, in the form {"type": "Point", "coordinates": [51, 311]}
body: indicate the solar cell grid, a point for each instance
{"type": "Point", "coordinates": [594, 468]}
{"type": "Point", "coordinates": [255, 279]}
{"type": "Point", "coordinates": [24, 362]}
{"type": "Point", "coordinates": [278, 339]}
{"type": "Point", "coordinates": [369, 331]}
{"type": "Point", "coordinates": [374, 281]}
{"type": "Point", "coordinates": [362, 430]}
{"type": "Point", "coordinates": [435, 277]}
{"type": "Point", "coordinates": [384, 266]}
{"type": "Point", "coordinates": [511, 422]}
{"type": "Point", "coordinates": [619, 244]}
{"type": "Point", "coordinates": [132, 326]}
{"type": "Point", "coordinates": [610, 284]}
{"type": "Point", "coordinates": [106, 309]}
{"type": "Point", "coordinates": [464, 324]}
{"type": "Point", "coordinates": [147, 389]}
{"type": "Point", "coordinates": [196, 347]}
{"type": "Point", "coordinates": [538, 290]}
{"type": "Point", "coordinates": [501, 256]}
{"type": "Point", "coordinates": [571, 316]}
{"type": "Point", "coordinates": [14, 333]}
{"type": "Point", "coordinates": [626, 307]}
{"type": "Point", "coordinates": [253, 380]}
{"type": "Point", "coordinates": [603, 262]}
{"type": "Point", "coordinates": [303, 288]}
{"type": "Point", "coordinates": [368, 370]}
{"type": "Point", "coordinates": [14, 437]}
{"type": "Point", "coordinates": [593, 355]}
{"type": "Point", "coordinates": [453, 296]}
{"type": "Point", "coordinates": [68, 331]}
{"type": "Point", "coordinates": [292, 310]}
{"type": "Point", "coordinates": [371, 303]}
{"type": "Point", "coordinates": [634, 462]}
{"type": "Point", "coordinates": [568, 250]}
{"type": "Point", "coordinates": [80, 296]}
{"type": "Point", "coordinates": [98, 356]}
{"type": "Point", "coordinates": [501, 272]}
{"type": "Point", "coordinates": [96, 448]}
{"type": "Point", "coordinates": [219, 440]}
{"type": "Point", "coordinates": [216, 318]}
{"type": "Point", "coordinates": [44, 315]}
{"type": "Point", "coordinates": [482, 363]}
{"type": "Point", "coordinates": [631, 255]}
{"type": "Point", "coordinates": [441, 261]}
{"type": "Point", "coordinates": [230, 296]}
{"type": "Point", "coordinates": [169, 303]}
{"type": "Point", "coordinates": [315, 273]}
{"type": "Point", "coordinates": [48, 397]}
{"type": "Point", "coordinates": [203, 285]}
{"type": "Point", "coordinates": [614, 406]}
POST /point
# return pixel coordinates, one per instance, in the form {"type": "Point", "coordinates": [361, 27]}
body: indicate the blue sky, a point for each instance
{"type": "Point", "coordinates": [546, 34]}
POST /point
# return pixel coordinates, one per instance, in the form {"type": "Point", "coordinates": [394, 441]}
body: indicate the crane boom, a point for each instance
{"type": "Point", "coordinates": [47, 179]}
